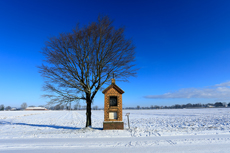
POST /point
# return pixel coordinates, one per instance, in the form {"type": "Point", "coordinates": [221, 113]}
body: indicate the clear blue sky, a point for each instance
{"type": "Point", "coordinates": [182, 47]}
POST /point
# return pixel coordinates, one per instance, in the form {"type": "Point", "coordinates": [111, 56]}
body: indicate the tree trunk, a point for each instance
{"type": "Point", "coordinates": [88, 113]}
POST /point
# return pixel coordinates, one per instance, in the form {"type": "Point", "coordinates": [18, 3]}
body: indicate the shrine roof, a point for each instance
{"type": "Point", "coordinates": [113, 85]}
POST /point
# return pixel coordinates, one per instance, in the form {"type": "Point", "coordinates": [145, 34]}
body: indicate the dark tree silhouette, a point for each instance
{"type": "Point", "coordinates": [8, 108]}
{"type": "Point", "coordinates": [2, 107]}
{"type": "Point", "coordinates": [218, 104]}
{"type": "Point", "coordinates": [23, 106]}
{"type": "Point", "coordinates": [81, 62]}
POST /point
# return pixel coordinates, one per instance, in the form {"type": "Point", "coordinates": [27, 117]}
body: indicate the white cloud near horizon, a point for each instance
{"type": "Point", "coordinates": [225, 84]}
{"type": "Point", "coordinates": [219, 91]}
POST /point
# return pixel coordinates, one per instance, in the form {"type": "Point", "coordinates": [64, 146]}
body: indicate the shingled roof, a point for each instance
{"type": "Point", "coordinates": [113, 85]}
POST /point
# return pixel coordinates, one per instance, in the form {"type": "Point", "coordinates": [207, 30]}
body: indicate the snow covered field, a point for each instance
{"type": "Point", "coordinates": [182, 130]}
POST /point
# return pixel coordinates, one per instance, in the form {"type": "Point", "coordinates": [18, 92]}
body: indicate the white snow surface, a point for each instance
{"type": "Point", "coordinates": [175, 131]}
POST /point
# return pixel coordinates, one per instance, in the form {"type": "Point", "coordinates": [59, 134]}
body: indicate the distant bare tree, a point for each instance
{"type": "Point", "coordinates": [157, 107]}
{"type": "Point", "coordinates": [77, 106]}
{"type": "Point", "coordinates": [95, 107]}
{"type": "Point", "coordinates": [51, 108]}
{"type": "Point", "coordinates": [62, 107]}
{"type": "Point", "coordinates": [84, 107]}
{"type": "Point", "coordinates": [70, 108]}
{"type": "Point", "coordinates": [8, 108]}
{"type": "Point", "coordinates": [23, 106]}
{"type": "Point", "coordinates": [81, 62]}
{"type": "Point", "coordinates": [57, 107]}
{"type": "Point", "coordinates": [218, 104]}
{"type": "Point", "coordinates": [2, 107]}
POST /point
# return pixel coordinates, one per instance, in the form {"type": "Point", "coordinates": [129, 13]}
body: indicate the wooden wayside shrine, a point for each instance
{"type": "Point", "coordinates": [113, 107]}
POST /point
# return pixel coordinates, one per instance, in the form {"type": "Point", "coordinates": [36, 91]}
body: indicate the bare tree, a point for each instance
{"type": "Point", "coordinates": [77, 106]}
{"type": "Point", "coordinates": [57, 107]}
{"type": "Point", "coordinates": [84, 107]}
{"type": "Point", "coordinates": [81, 62]}
{"type": "Point", "coordinates": [23, 105]}
{"type": "Point", "coordinates": [70, 108]}
{"type": "Point", "coordinates": [2, 107]}
{"type": "Point", "coordinates": [95, 107]}
{"type": "Point", "coordinates": [8, 108]}
{"type": "Point", "coordinates": [151, 107]}
{"type": "Point", "coordinates": [62, 107]}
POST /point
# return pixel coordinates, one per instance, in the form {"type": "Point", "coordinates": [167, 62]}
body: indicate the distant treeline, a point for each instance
{"type": "Point", "coordinates": [189, 105]}
{"type": "Point", "coordinates": [55, 107]}
{"type": "Point", "coordinates": [79, 107]}
{"type": "Point", "coordinates": [75, 107]}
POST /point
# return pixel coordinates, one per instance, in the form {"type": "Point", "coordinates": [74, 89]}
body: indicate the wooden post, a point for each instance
{"type": "Point", "coordinates": [127, 114]}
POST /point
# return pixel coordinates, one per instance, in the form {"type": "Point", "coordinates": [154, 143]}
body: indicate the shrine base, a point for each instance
{"type": "Point", "coordinates": [113, 125]}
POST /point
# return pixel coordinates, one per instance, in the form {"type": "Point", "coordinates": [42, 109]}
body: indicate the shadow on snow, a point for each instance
{"type": "Point", "coordinates": [50, 126]}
